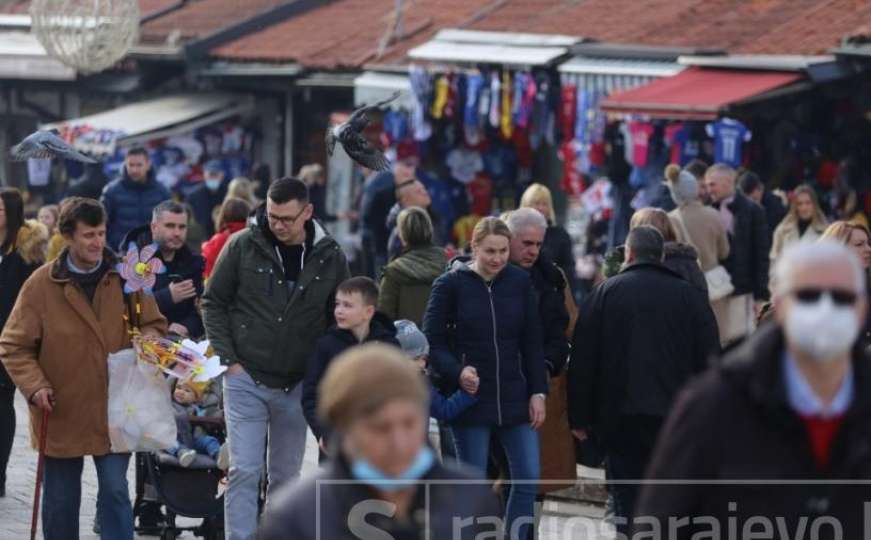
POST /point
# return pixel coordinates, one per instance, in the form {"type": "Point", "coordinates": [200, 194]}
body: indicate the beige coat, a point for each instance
{"type": "Point", "coordinates": [787, 233]}
{"type": "Point", "coordinates": [706, 233]}
{"type": "Point", "coordinates": [55, 339]}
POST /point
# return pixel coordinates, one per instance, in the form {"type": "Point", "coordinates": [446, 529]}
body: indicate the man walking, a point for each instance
{"type": "Point", "coordinates": [747, 263]}
{"type": "Point", "coordinates": [205, 197]}
{"type": "Point", "coordinates": [267, 301]}
{"type": "Point", "coordinates": [791, 403]}
{"type": "Point", "coordinates": [528, 227]}
{"type": "Point", "coordinates": [640, 336]}
{"type": "Point", "coordinates": [130, 199]}
{"type": "Point", "coordinates": [68, 318]}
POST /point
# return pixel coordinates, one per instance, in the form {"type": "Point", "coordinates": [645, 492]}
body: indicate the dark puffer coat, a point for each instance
{"type": "Point", "coordinates": [496, 329]}
{"type": "Point", "coordinates": [550, 288]}
{"type": "Point", "coordinates": [329, 346]}
{"type": "Point", "coordinates": [129, 205]}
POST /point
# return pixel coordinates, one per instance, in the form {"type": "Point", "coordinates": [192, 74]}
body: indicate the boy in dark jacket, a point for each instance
{"type": "Point", "coordinates": [415, 345]}
{"type": "Point", "coordinates": [356, 322]}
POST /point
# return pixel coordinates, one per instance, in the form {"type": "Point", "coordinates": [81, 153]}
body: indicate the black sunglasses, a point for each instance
{"type": "Point", "coordinates": [840, 297]}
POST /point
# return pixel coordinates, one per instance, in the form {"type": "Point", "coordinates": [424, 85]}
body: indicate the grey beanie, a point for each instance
{"type": "Point", "coordinates": [685, 189]}
{"type": "Point", "coordinates": [411, 339]}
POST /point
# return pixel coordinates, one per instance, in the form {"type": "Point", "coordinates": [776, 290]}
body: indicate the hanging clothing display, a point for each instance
{"type": "Point", "coordinates": [729, 137]}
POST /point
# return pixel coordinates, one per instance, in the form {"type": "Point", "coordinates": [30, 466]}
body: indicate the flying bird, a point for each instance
{"type": "Point", "coordinates": [46, 145]}
{"type": "Point", "coordinates": [350, 135]}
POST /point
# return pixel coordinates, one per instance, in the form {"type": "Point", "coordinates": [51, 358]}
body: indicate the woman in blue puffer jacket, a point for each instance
{"type": "Point", "coordinates": [484, 331]}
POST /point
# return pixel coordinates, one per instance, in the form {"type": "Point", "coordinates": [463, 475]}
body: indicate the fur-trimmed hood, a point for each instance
{"type": "Point", "coordinates": [32, 242]}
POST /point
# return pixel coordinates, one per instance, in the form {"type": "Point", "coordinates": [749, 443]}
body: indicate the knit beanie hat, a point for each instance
{"type": "Point", "coordinates": [411, 339]}
{"type": "Point", "coordinates": [682, 184]}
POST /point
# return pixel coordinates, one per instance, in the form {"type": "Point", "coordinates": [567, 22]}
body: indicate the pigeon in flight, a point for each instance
{"type": "Point", "coordinates": [350, 135]}
{"type": "Point", "coordinates": [46, 145]}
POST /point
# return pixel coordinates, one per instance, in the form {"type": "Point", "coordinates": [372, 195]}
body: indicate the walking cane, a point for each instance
{"type": "Point", "coordinates": [39, 472]}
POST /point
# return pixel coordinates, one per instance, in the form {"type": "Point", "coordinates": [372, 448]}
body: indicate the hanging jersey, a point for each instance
{"type": "Point", "coordinates": [729, 136]}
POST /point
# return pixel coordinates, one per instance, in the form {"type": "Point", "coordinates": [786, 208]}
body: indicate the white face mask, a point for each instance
{"type": "Point", "coordinates": [822, 329]}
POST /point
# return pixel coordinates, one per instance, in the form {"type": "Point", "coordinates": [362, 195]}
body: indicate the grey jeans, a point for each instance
{"type": "Point", "coordinates": [254, 411]}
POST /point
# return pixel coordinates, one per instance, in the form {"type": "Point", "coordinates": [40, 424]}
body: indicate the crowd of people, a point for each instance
{"type": "Point", "coordinates": [716, 344]}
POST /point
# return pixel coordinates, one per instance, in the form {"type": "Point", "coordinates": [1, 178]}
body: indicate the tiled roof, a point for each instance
{"type": "Point", "coordinates": [738, 26]}
{"type": "Point", "coordinates": [199, 18]}
{"type": "Point", "coordinates": [347, 33]}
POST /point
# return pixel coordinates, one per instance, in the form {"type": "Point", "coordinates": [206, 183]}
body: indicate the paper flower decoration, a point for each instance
{"type": "Point", "coordinates": [207, 367]}
{"type": "Point", "coordinates": [139, 269]}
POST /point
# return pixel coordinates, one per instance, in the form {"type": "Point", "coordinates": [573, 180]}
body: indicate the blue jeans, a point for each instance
{"type": "Point", "coordinates": [254, 411]}
{"type": "Point", "coordinates": [62, 497]}
{"type": "Point", "coordinates": [521, 451]}
{"type": "Point", "coordinates": [204, 444]}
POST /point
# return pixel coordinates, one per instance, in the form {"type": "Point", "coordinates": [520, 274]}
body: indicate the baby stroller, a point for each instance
{"type": "Point", "coordinates": [190, 491]}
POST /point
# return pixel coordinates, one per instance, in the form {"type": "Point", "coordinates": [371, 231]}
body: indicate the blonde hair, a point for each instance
{"type": "Point", "coordinates": [840, 231]}
{"type": "Point", "coordinates": [364, 379]}
{"type": "Point", "coordinates": [655, 218]}
{"type": "Point", "coordinates": [241, 188]}
{"type": "Point", "coordinates": [538, 193]}
{"type": "Point", "coordinates": [490, 226]}
{"type": "Point", "coordinates": [311, 173]}
{"type": "Point", "coordinates": [804, 189]}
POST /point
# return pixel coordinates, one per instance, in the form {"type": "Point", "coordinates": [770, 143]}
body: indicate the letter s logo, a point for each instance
{"type": "Point", "coordinates": [357, 519]}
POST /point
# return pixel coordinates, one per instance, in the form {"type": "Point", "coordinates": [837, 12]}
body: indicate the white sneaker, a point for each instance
{"type": "Point", "coordinates": [224, 457]}
{"type": "Point", "coordinates": [186, 457]}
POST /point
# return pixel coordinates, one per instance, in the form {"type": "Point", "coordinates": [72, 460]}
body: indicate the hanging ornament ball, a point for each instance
{"type": "Point", "coordinates": [87, 35]}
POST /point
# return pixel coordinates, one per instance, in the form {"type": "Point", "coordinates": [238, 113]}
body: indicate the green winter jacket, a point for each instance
{"type": "Point", "coordinates": [252, 318]}
{"type": "Point", "coordinates": [407, 282]}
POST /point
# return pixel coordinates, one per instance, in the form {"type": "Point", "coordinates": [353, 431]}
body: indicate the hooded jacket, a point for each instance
{"type": "Point", "coordinates": [734, 423]}
{"type": "Point", "coordinates": [129, 205]}
{"type": "Point", "coordinates": [15, 267]}
{"type": "Point", "coordinates": [407, 282]}
{"type": "Point", "coordinates": [185, 265]}
{"type": "Point", "coordinates": [329, 346]}
{"type": "Point", "coordinates": [253, 318]}
{"type": "Point", "coordinates": [494, 328]}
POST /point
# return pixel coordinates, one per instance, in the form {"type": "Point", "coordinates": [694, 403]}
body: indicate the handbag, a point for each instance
{"type": "Point", "coordinates": [719, 281]}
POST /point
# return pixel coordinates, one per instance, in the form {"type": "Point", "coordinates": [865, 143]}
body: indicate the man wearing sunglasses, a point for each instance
{"type": "Point", "coordinates": [267, 301]}
{"type": "Point", "coordinates": [782, 425]}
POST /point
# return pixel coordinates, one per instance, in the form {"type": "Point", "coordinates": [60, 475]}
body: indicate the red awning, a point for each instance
{"type": "Point", "coordinates": [699, 93]}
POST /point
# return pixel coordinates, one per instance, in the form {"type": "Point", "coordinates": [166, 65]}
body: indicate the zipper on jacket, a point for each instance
{"type": "Point", "coordinates": [496, 346]}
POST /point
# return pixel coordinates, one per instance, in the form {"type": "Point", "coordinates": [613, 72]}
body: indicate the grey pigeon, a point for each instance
{"type": "Point", "coordinates": [46, 145]}
{"type": "Point", "coordinates": [350, 135]}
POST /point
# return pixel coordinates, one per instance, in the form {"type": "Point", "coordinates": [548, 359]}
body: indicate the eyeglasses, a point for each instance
{"type": "Point", "coordinates": [286, 221]}
{"type": "Point", "coordinates": [811, 295]}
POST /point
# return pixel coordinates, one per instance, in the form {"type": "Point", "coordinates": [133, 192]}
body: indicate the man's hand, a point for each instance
{"type": "Point", "coordinates": [178, 329]}
{"type": "Point", "coordinates": [235, 369]}
{"type": "Point", "coordinates": [43, 399]}
{"type": "Point", "coordinates": [469, 380]}
{"type": "Point", "coordinates": [536, 411]}
{"type": "Point", "coordinates": [181, 291]}
{"type": "Point", "coordinates": [580, 434]}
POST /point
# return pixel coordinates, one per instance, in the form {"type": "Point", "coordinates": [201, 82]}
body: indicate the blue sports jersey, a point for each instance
{"type": "Point", "coordinates": [729, 135]}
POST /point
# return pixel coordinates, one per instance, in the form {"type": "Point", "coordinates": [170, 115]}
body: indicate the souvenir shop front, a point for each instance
{"type": "Point", "coordinates": [181, 131]}
{"type": "Point", "coordinates": [481, 111]}
{"type": "Point", "coordinates": [777, 122]}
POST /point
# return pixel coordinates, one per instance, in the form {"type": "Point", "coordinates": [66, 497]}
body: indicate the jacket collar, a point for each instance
{"type": "Point", "coordinates": [150, 180]}
{"type": "Point", "coordinates": [381, 328]}
{"type": "Point", "coordinates": [61, 274]}
{"type": "Point", "coordinates": [757, 367]}
{"type": "Point", "coordinates": [647, 266]}
{"type": "Point", "coordinates": [141, 236]}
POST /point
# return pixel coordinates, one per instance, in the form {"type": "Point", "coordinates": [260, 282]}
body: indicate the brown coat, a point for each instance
{"type": "Point", "coordinates": [55, 339]}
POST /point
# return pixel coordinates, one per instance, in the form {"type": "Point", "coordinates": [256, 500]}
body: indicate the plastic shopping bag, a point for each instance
{"type": "Point", "coordinates": [141, 417]}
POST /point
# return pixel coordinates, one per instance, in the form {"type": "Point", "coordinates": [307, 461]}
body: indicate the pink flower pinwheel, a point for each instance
{"type": "Point", "coordinates": [139, 269]}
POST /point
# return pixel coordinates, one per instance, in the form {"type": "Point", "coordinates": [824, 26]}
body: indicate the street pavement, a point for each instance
{"type": "Point", "coordinates": [561, 519]}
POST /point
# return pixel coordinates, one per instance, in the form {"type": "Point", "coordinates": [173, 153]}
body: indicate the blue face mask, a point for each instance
{"type": "Point", "coordinates": [372, 476]}
{"type": "Point", "coordinates": [213, 185]}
